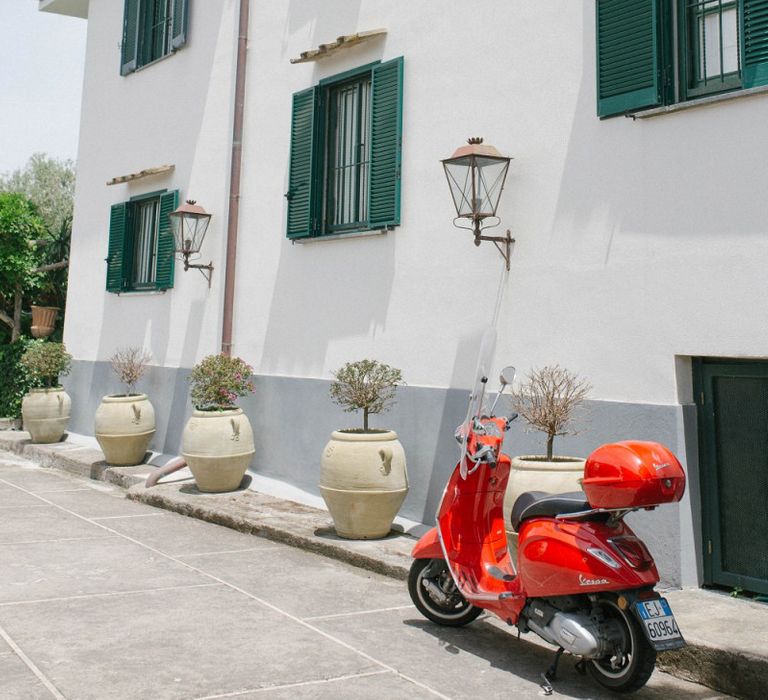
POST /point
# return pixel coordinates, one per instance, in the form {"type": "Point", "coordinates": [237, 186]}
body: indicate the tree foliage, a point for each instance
{"type": "Point", "coordinates": [15, 381]}
{"type": "Point", "coordinates": [49, 183]}
{"type": "Point", "coordinates": [35, 227]}
{"type": "Point", "coordinates": [369, 385]}
{"type": "Point", "coordinates": [548, 401]}
{"type": "Point", "coordinates": [20, 227]}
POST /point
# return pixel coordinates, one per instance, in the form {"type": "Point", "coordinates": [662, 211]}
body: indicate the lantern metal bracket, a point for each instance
{"type": "Point", "coordinates": [201, 268]}
{"type": "Point", "coordinates": [503, 244]}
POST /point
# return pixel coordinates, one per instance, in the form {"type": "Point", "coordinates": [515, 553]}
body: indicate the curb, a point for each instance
{"type": "Point", "coordinates": [733, 671]}
{"type": "Point", "coordinates": [739, 674]}
{"type": "Point", "coordinates": [257, 514]}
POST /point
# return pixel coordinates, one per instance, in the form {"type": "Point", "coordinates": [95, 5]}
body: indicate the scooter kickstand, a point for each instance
{"type": "Point", "coordinates": [551, 674]}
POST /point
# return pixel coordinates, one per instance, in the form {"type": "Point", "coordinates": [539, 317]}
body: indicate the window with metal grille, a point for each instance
{"type": "Point", "coordinates": [140, 255]}
{"type": "Point", "coordinates": [152, 29]}
{"type": "Point", "coordinates": [660, 52]}
{"type": "Point", "coordinates": [712, 61]}
{"type": "Point", "coordinates": [344, 173]}
{"type": "Point", "coordinates": [145, 219]}
{"type": "Point", "coordinates": [348, 154]}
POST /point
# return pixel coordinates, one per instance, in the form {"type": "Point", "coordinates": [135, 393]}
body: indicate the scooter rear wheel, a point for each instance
{"type": "Point", "coordinates": [630, 667]}
{"type": "Point", "coordinates": [453, 609]}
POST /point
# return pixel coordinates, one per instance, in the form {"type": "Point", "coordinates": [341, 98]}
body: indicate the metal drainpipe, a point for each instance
{"type": "Point", "coordinates": [234, 180]}
{"type": "Point", "coordinates": [178, 463]}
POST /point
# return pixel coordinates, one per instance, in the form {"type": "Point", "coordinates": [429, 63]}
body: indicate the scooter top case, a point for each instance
{"type": "Point", "coordinates": [632, 474]}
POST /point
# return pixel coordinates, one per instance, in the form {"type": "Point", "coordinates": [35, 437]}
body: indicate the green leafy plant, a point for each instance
{"type": "Point", "coordinates": [45, 362]}
{"type": "Point", "coordinates": [217, 380]}
{"type": "Point", "coordinates": [369, 385]}
{"type": "Point", "coordinates": [129, 364]}
{"type": "Point", "coordinates": [15, 381]}
{"type": "Point", "coordinates": [548, 401]}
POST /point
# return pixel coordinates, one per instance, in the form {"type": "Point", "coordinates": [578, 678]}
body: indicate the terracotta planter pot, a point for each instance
{"type": "Point", "coordinates": [43, 320]}
{"type": "Point", "coordinates": [531, 473]}
{"type": "Point", "coordinates": [45, 413]}
{"type": "Point", "coordinates": [364, 481]}
{"type": "Point", "coordinates": [218, 447]}
{"type": "Point", "coordinates": [124, 425]}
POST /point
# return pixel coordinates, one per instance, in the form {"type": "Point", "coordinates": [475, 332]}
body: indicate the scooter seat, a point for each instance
{"type": "Point", "coordinates": [537, 504]}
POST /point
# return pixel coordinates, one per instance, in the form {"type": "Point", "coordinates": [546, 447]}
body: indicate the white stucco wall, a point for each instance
{"type": "Point", "coordinates": [637, 241]}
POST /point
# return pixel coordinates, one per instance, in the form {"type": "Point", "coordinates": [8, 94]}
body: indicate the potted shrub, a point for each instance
{"type": "Point", "coordinates": [217, 443]}
{"type": "Point", "coordinates": [45, 409]}
{"type": "Point", "coordinates": [363, 477]}
{"type": "Point", "coordinates": [125, 423]}
{"type": "Point", "coordinates": [548, 401]}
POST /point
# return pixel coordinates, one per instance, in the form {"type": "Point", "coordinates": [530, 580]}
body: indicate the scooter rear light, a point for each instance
{"type": "Point", "coordinates": [632, 551]}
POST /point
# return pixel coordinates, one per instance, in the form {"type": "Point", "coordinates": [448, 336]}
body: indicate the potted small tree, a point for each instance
{"type": "Point", "coordinates": [363, 477]}
{"type": "Point", "coordinates": [548, 401]}
{"type": "Point", "coordinates": [217, 443]}
{"type": "Point", "coordinates": [125, 423]}
{"type": "Point", "coordinates": [45, 409]}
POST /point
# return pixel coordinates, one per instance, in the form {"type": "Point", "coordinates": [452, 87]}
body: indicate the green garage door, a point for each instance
{"type": "Point", "coordinates": [733, 437]}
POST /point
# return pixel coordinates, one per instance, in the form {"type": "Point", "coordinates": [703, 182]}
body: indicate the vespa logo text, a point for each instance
{"type": "Point", "coordinates": [591, 581]}
{"type": "Point", "coordinates": [661, 466]}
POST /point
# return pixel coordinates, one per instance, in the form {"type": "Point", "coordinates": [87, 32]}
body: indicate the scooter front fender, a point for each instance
{"type": "Point", "coordinates": [428, 547]}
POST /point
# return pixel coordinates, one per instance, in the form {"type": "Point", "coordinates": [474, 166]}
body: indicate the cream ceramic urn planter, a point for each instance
{"type": "Point", "coordinates": [532, 473]}
{"type": "Point", "coordinates": [124, 425]}
{"type": "Point", "coordinates": [45, 413]}
{"type": "Point", "coordinates": [364, 481]}
{"type": "Point", "coordinates": [218, 447]}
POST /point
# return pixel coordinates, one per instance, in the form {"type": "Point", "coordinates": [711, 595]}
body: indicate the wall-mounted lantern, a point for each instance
{"type": "Point", "coordinates": [190, 224]}
{"type": "Point", "coordinates": [476, 174]}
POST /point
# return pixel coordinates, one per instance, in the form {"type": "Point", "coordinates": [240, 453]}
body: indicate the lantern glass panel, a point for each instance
{"type": "Point", "coordinates": [459, 173]}
{"type": "Point", "coordinates": [476, 183]}
{"type": "Point", "coordinates": [189, 231]}
{"type": "Point", "coordinates": [491, 173]}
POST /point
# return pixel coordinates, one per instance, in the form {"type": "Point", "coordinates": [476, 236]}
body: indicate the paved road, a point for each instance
{"type": "Point", "coordinates": [105, 598]}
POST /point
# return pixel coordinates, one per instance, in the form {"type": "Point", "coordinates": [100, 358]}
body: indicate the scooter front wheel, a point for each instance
{"type": "Point", "coordinates": [435, 595]}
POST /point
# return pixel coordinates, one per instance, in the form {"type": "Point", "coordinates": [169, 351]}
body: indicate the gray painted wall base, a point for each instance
{"type": "Point", "coordinates": [292, 420]}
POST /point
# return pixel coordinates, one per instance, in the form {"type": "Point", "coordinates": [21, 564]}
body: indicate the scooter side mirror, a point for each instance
{"type": "Point", "coordinates": [507, 375]}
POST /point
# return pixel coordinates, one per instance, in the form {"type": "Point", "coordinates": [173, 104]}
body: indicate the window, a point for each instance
{"type": "Point", "coordinates": [141, 243]}
{"type": "Point", "coordinates": [151, 29]}
{"type": "Point", "coordinates": [345, 153]}
{"type": "Point", "coordinates": [659, 52]}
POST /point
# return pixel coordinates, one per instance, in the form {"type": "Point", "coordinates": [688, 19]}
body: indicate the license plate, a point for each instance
{"type": "Point", "coordinates": [659, 624]}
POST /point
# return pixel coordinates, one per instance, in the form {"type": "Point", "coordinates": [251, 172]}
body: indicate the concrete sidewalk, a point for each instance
{"type": "Point", "coordinates": [726, 650]}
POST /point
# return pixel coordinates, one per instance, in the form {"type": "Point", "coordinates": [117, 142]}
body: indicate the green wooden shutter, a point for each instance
{"type": "Point", "coordinates": [754, 41]}
{"type": "Point", "coordinates": [165, 260]}
{"type": "Point", "coordinates": [116, 251]}
{"type": "Point", "coordinates": [386, 142]}
{"type": "Point", "coordinates": [179, 27]}
{"type": "Point", "coordinates": [302, 221]}
{"type": "Point", "coordinates": [628, 55]}
{"type": "Point", "coordinates": [130, 46]}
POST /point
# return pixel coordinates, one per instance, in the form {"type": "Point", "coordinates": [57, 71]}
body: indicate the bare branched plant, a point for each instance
{"type": "Point", "coordinates": [548, 401]}
{"type": "Point", "coordinates": [368, 385]}
{"type": "Point", "coordinates": [130, 364]}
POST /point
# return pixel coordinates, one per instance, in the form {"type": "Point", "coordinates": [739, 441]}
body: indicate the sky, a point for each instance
{"type": "Point", "coordinates": [41, 76]}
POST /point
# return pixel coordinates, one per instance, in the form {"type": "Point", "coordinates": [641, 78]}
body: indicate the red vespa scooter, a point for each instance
{"type": "Point", "coordinates": [584, 582]}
